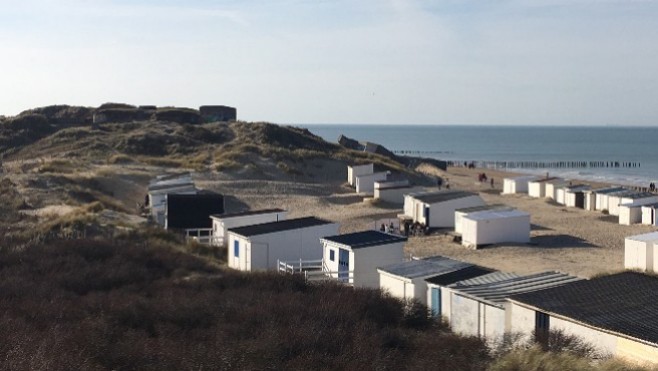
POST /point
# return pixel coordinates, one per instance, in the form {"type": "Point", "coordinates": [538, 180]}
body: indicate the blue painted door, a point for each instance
{"type": "Point", "coordinates": [436, 302]}
{"type": "Point", "coordinates": [343, 264]}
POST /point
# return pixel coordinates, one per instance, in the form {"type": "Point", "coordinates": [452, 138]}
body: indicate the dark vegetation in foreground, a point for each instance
{"type": "Point", "coordinates": [132, 305]}
{"type": "Point", "coordinates": [138, 303]}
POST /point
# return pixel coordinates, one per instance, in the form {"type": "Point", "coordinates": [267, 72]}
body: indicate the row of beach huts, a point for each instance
{"type": "Point", "coordinates": [631, 206]}
{"type": "Point", "coordinates": [615, 313]}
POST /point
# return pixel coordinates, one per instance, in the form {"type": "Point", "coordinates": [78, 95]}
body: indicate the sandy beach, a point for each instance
{"type": "Point", "coordinates": [570, 240]}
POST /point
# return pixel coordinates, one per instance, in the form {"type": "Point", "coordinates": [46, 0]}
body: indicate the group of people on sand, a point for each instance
{"type": "Point", "coordinates": [652, 187]}
{"type": "Point", "coordinates": [439, 183]}
{"type": "Point", "coordinates": [482, 178]}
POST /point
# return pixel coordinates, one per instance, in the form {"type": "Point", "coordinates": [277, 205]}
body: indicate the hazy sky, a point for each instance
{"type": "Point", "coordinates": [343, 61]}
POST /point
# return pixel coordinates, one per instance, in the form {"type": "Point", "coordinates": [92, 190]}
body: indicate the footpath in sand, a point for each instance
{"type": "Point", "coordinates": [570, 240]}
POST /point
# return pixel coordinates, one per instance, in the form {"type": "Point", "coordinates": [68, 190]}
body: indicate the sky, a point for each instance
{"type": "Point", "coordinates": [499, 62]}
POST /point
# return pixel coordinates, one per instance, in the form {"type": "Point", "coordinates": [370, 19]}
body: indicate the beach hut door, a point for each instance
{"type": "Point", "coordinates": [343, 264]}
{"type": "Point", "coordinates": [436, 301]}
{"type": "Point", "coordinates": [580, 200]}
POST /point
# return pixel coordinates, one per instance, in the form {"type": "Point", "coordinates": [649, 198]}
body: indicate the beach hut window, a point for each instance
{"type": "Point", "coordinates": [236, 248]}
{"type": "Point", "coordinates": [332, 255]}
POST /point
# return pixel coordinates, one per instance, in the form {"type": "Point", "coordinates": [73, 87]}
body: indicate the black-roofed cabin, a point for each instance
{"type": "Point", "coordinates": [192, 211]}
{"type": "Point", "coordinates": [265, 246]}
{"type": "Point", "coordinates": [353, 258]}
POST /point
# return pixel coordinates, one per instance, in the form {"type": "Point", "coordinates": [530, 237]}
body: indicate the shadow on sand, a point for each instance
{"type": "Point", "coordinates": [559, 241]}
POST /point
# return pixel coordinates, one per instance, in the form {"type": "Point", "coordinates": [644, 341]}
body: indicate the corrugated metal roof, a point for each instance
{"type": "Point", "coordinates": [483, 208]}
{"type": "Point", "coordinates": [459, 275]}
{"type": "Point", "coordinates": [283, 225]}
{"type": "Point", "coordinates": [365, 239]}
{"type": "Point", "coordinates": [496, 214]}
{"type": "Point", "coordinates": [496, 293]}
{"type": "Point", "coordinates": [440, 196]}
{"type": "Point", "coordinates": [624, 303]}
{"type": "Point", "coordinates": [246, 213]}
{"type": "Point", "coordinates": [485, 279]}
{"type": "Point", "coordinates": [427, 267]}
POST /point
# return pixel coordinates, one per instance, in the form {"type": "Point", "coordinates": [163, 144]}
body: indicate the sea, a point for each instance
{"type": "Point", "coordinates": [608, 154]}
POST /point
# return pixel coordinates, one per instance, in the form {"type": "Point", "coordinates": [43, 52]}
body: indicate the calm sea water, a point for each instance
{"type": "Point", "coordinates": [637, 145]}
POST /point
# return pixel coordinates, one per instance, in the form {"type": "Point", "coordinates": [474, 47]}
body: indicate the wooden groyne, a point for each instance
{"type": "Point", "coordinates": [547, 164]}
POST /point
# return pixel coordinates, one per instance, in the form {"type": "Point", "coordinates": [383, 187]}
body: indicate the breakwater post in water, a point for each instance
{"type": "Point", "coordinates": [547, 165]}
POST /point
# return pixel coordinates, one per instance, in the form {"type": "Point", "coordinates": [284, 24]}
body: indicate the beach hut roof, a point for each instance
{"type": "Point", "coordinates": [487, 278]}
{"type": "Point", "coordinates": [245, 213]}
{"type": "Point", "coordinates": [604, 191]}
{"type": "Point", "coordinates": [365, 239]}
{"type": "Point", "coordinates": [459, 275]}
{"type": "Point", "coordinates": [496, 214]}
{"type": "Point", "coordinates": [544, 180]}
{"type": "Point", "coordinates": [474, 209]}
{"type": "Point", "coordinates": [282, 225]}
{"type": "Point", "coordinates": [624, 303]}
{"type": "Point", "coordinates": [496, 293]}
{"type": "Point", "coordinates": [424, 267]}
{"type": "Point", "coordinates": [578, 188]}
{"type": "Point", "coordinates": [440, 196]}
{"type": "Point", "coordinates": [638, 195]}
{"type": "Point", "coordinates": [652, 236]}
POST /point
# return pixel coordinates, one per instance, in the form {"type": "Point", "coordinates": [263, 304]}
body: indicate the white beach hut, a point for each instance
{"type": "Point", "coordinates": [393, 191]}
{"type": "Point", "coordinates": [480, 309]}
{"type": "Point", "coordinates": [406, 280]}
{"type": "Point", "coordinates": [365, 184]}
{"type": "Point", "coordinates": [631, 198]}
{"type": "Point", "coordinates": [356, 170]}
{"type": "Point", "coordinates": [222, 223]}
{"type": "Point", "coordinates": [517, 184]}
{"type": "Point", "coordinates": [616, 314]}
{"type": "Point", "coordinates": [353, 258]}
{"type": "Point", "coordinates": [552, 189]}
{"type": "Point", "coordinates": [437, 209]}
{"type": "Point", "coordinates": [495, 226]}
{"type": "Point", "coordinates": [649, 214]}
{"type": "Point", "coordinates": [631, 212]}
{"type": "Point", "coordinates": [574, 196]}
{"type": "Point", "coordinates": [460, 213]}
{"type": "Point", "coordinates": [261, 246]}
{"type": "Point", "coordinates": [602, 196]}
{"type": "Point", "coordinates": [640, 252]}
{"type": "Point", "coordinates": [537, 187]}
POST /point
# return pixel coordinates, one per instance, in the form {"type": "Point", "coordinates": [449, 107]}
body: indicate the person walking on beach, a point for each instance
{"type": "Point", "coordinates": [492, 183]}
{"type": "Point", "coordinates": [447, 183]}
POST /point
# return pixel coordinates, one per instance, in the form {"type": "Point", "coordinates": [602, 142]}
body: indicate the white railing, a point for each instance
{"type": "Point", "coordinates": [299, 266]}
{"type": "Point", "coordinates": [346, 277]}
{"type": "Point", "coordinates": [203, 236]}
